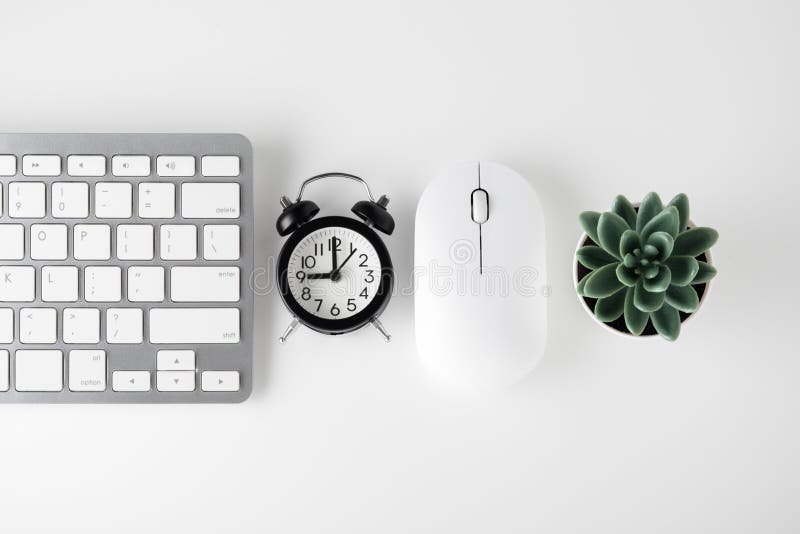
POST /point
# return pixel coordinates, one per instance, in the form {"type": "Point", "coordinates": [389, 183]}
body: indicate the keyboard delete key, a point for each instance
{"type": "Point", "coordinates": [210, 201]}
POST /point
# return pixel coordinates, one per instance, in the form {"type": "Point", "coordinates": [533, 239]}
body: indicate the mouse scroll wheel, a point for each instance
{"type": "Point", "coordinates": [480, 206]}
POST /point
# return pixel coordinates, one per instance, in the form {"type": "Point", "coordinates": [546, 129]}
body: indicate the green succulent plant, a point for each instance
{"type": "Point", "coordinates": [643, 263]}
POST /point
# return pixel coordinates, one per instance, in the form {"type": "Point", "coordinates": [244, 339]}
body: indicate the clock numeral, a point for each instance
{"type": "Point", "coordinates": [301, 275]}
{"type": "Point", "coordinates": [335, 243]}
{"type": "Point", "coordinates": [352, 247]}
{"type": "Point", "coordinates": [369, 278]}
{"type": "Point", "coordinates": [309, 262]}
{"type": "Point", "coordinates": [351, 305]}
{"type": "Point", "coordinates": [364, 259]}
{"type": "Point", "coordinates": [364, 293]}
{"type": "Point", "coordinates": [335, 310]}
{"type": "Point", "coordinates": [319, 303]}
{"type": "Point", "coordinates": [319, 249]}
{"type": "Point", "coordinates": [306, 294]}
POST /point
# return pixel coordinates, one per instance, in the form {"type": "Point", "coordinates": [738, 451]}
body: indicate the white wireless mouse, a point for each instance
{"type": "Point", "coordinates": [480, 290]}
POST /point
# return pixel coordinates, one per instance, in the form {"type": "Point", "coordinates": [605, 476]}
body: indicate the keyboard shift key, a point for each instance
{"type": "Point", "coordinates": [194, 325]}
{"type": "Point", "coordinates": [175, 380]}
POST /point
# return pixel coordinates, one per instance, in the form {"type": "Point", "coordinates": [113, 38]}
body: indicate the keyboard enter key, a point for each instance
{"type": "Point", "coordinates": [204, 284]}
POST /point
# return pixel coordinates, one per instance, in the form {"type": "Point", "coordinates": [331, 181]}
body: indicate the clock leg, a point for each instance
{"type": "Point", "coordinates": [289, 329]}
{"type": "Point", "coordinates": [380, 328]}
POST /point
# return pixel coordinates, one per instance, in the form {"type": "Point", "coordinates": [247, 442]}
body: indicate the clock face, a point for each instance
{"type": "Point", "coordinates": [335, 274]}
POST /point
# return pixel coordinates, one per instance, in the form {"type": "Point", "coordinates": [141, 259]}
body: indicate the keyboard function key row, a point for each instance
{"type": "Point", "coordinates": [121, 165]}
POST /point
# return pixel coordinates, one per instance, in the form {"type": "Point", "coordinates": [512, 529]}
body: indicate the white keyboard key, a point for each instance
{"type": "Point", "coordinates": [130, 381]}
{"type": "Point", "coordinates": [175, 360]}
{"type": "Point", "coordinates": [135, 242]}
{"type": "Point", "coordinates": [86, 165]}
{"type": "Point", "coordinates": [220, 381]}
{"type": "Point", "coordinates": [87, 370]}
{"type": "Point", "coordinates": [175, 380]}
{"type": "Point", "coordinates": [194, 325]}
{"type": "Point", "coordinates": [12, 241]}
{"type": "Point", "coordinates": [70, 200]}
{"type": "Point", "coordinates": [39, 370]}
{"type": "Point", "coordinates": [49, 241]}
{"type": "Point", "coordinates": [26, 200]}
{"type": "Point", "coordinates": [8, 165]}
{"type": "Point", "coordinates": [113, 200]}
{"type": "Point", "coordinates": [175, 165]}
{"type": "Point", "coordinates": [220, 165]}
{"type": "Point", "coordinates": [102, 284]}
{"type": "Point", "coordinates": [17, 284]}
{"type": "Point", "coordinates": [146, 284]}
{"type": "Point", "coordinates": [81, 325]}
{"type": "Point", "coordinates": [204, 284]}
{"type": "Point", "coordinates": [156, 200]}
{"type": "Point", "coordinates": [124, 325]}
{"type": "Point", "coordinates": [130, 165]}
{"type": "Point", "coordinates": [91, 241]}
{"type": "Point", "coordinates": [221, 242]}
{"type": "Point", "coordinates": [4, 368]}
{"type": "Point", "coordinates": [178, 242]}
{"type": "Point", "coordinates": [39, 165]}
{"type": "Point", "coordinates": [210, 201]}
{"type": "Point", "coordinates": [37, 325]}
{"type": "Point", "coordinates": [6, 325]}
{"type": "Point", "coordinates": [60, 283]}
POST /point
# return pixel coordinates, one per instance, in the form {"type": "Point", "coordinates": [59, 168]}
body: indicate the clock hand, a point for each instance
{"type": "Point", "coordinates": [318, 276]}
{"type": "Point", "coordinates": [335, 274]}
{"type": "Point", "coordinates": [334, 262]}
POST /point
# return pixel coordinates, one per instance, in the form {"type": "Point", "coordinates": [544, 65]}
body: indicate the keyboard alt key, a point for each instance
{"type": "Point", "coordinates": [87, 370]}
{"type": "Point", "coordinates": [130, 381]}
{"type": "Point", "coordinates": [220, 381]}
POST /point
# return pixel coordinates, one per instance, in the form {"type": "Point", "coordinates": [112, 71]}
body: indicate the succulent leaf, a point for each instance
{"type": "Point", "coordinates": [695, 241]}
{"type": "Point", "coordinates": [682, 298]}
{"type": "Point", "coordinates": [660, 282]}
{"type": "Point", "coordinates": [581, 284]}
{"type": "Point", "coordinates": [610, 228]}
{"type": "Point", "coordinates": [684, 269]}
{"type": "Point", "coordinates": [626, 275]}
{"type": "Point", "coordinates": [666, 221]}
{"type": "Point", "coordinates": [629, 242]}
{"type": "Point", "coordinates": [667, 322]}
{"type": "Point", "coordinates": [705, 273]}
{"type": "Point", "coordinates": [645, 300]}
{"type": "Point", "coordinates": [602, 282]}
{"type": "Point", "coordinates": [650, 207]}
{"type": "Point", "coordinates": [663, 243]}
{"type": "Point", "coordinates": [589, 220]}
{"type": "Point", "coordinates": [593, 257]}
{"type": "Point", "coordinates": [681, 201]}
{"type": "Point", "coordinates": [635, 319]}
{"type": "Point", "coordinates": [610, 308]}
{"type": "Point", "coordinates": [623, 207]}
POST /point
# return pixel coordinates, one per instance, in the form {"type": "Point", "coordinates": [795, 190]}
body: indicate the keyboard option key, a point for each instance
{"type": "Point", "coordinates": [87, 370]}
{"type": "Point", "coordinates": [86, 165]}
{"type": "Point", "coordinates": [175, 380]}
{"type": "Point", "coordinates": [41, 165]}
{"type": "Point", "coordinates": [175, 166]}
{"type": "Point", "coordinates": [175, 360]}
{"type": "Point", "coordinates": [220, 381]}
{"type": "Point", "coordinates": [130, 381]}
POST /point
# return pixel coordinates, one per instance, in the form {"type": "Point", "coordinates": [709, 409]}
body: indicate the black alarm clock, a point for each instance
{"type": "Point", "coordinates": [334, 273]}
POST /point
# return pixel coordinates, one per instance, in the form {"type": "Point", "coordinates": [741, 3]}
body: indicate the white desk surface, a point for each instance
{"type": "Point", "coordinates": [585, 99]}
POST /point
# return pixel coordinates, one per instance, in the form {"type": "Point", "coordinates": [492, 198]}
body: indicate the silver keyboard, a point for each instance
{"type": "Point", "coordinates": [125, 262]}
